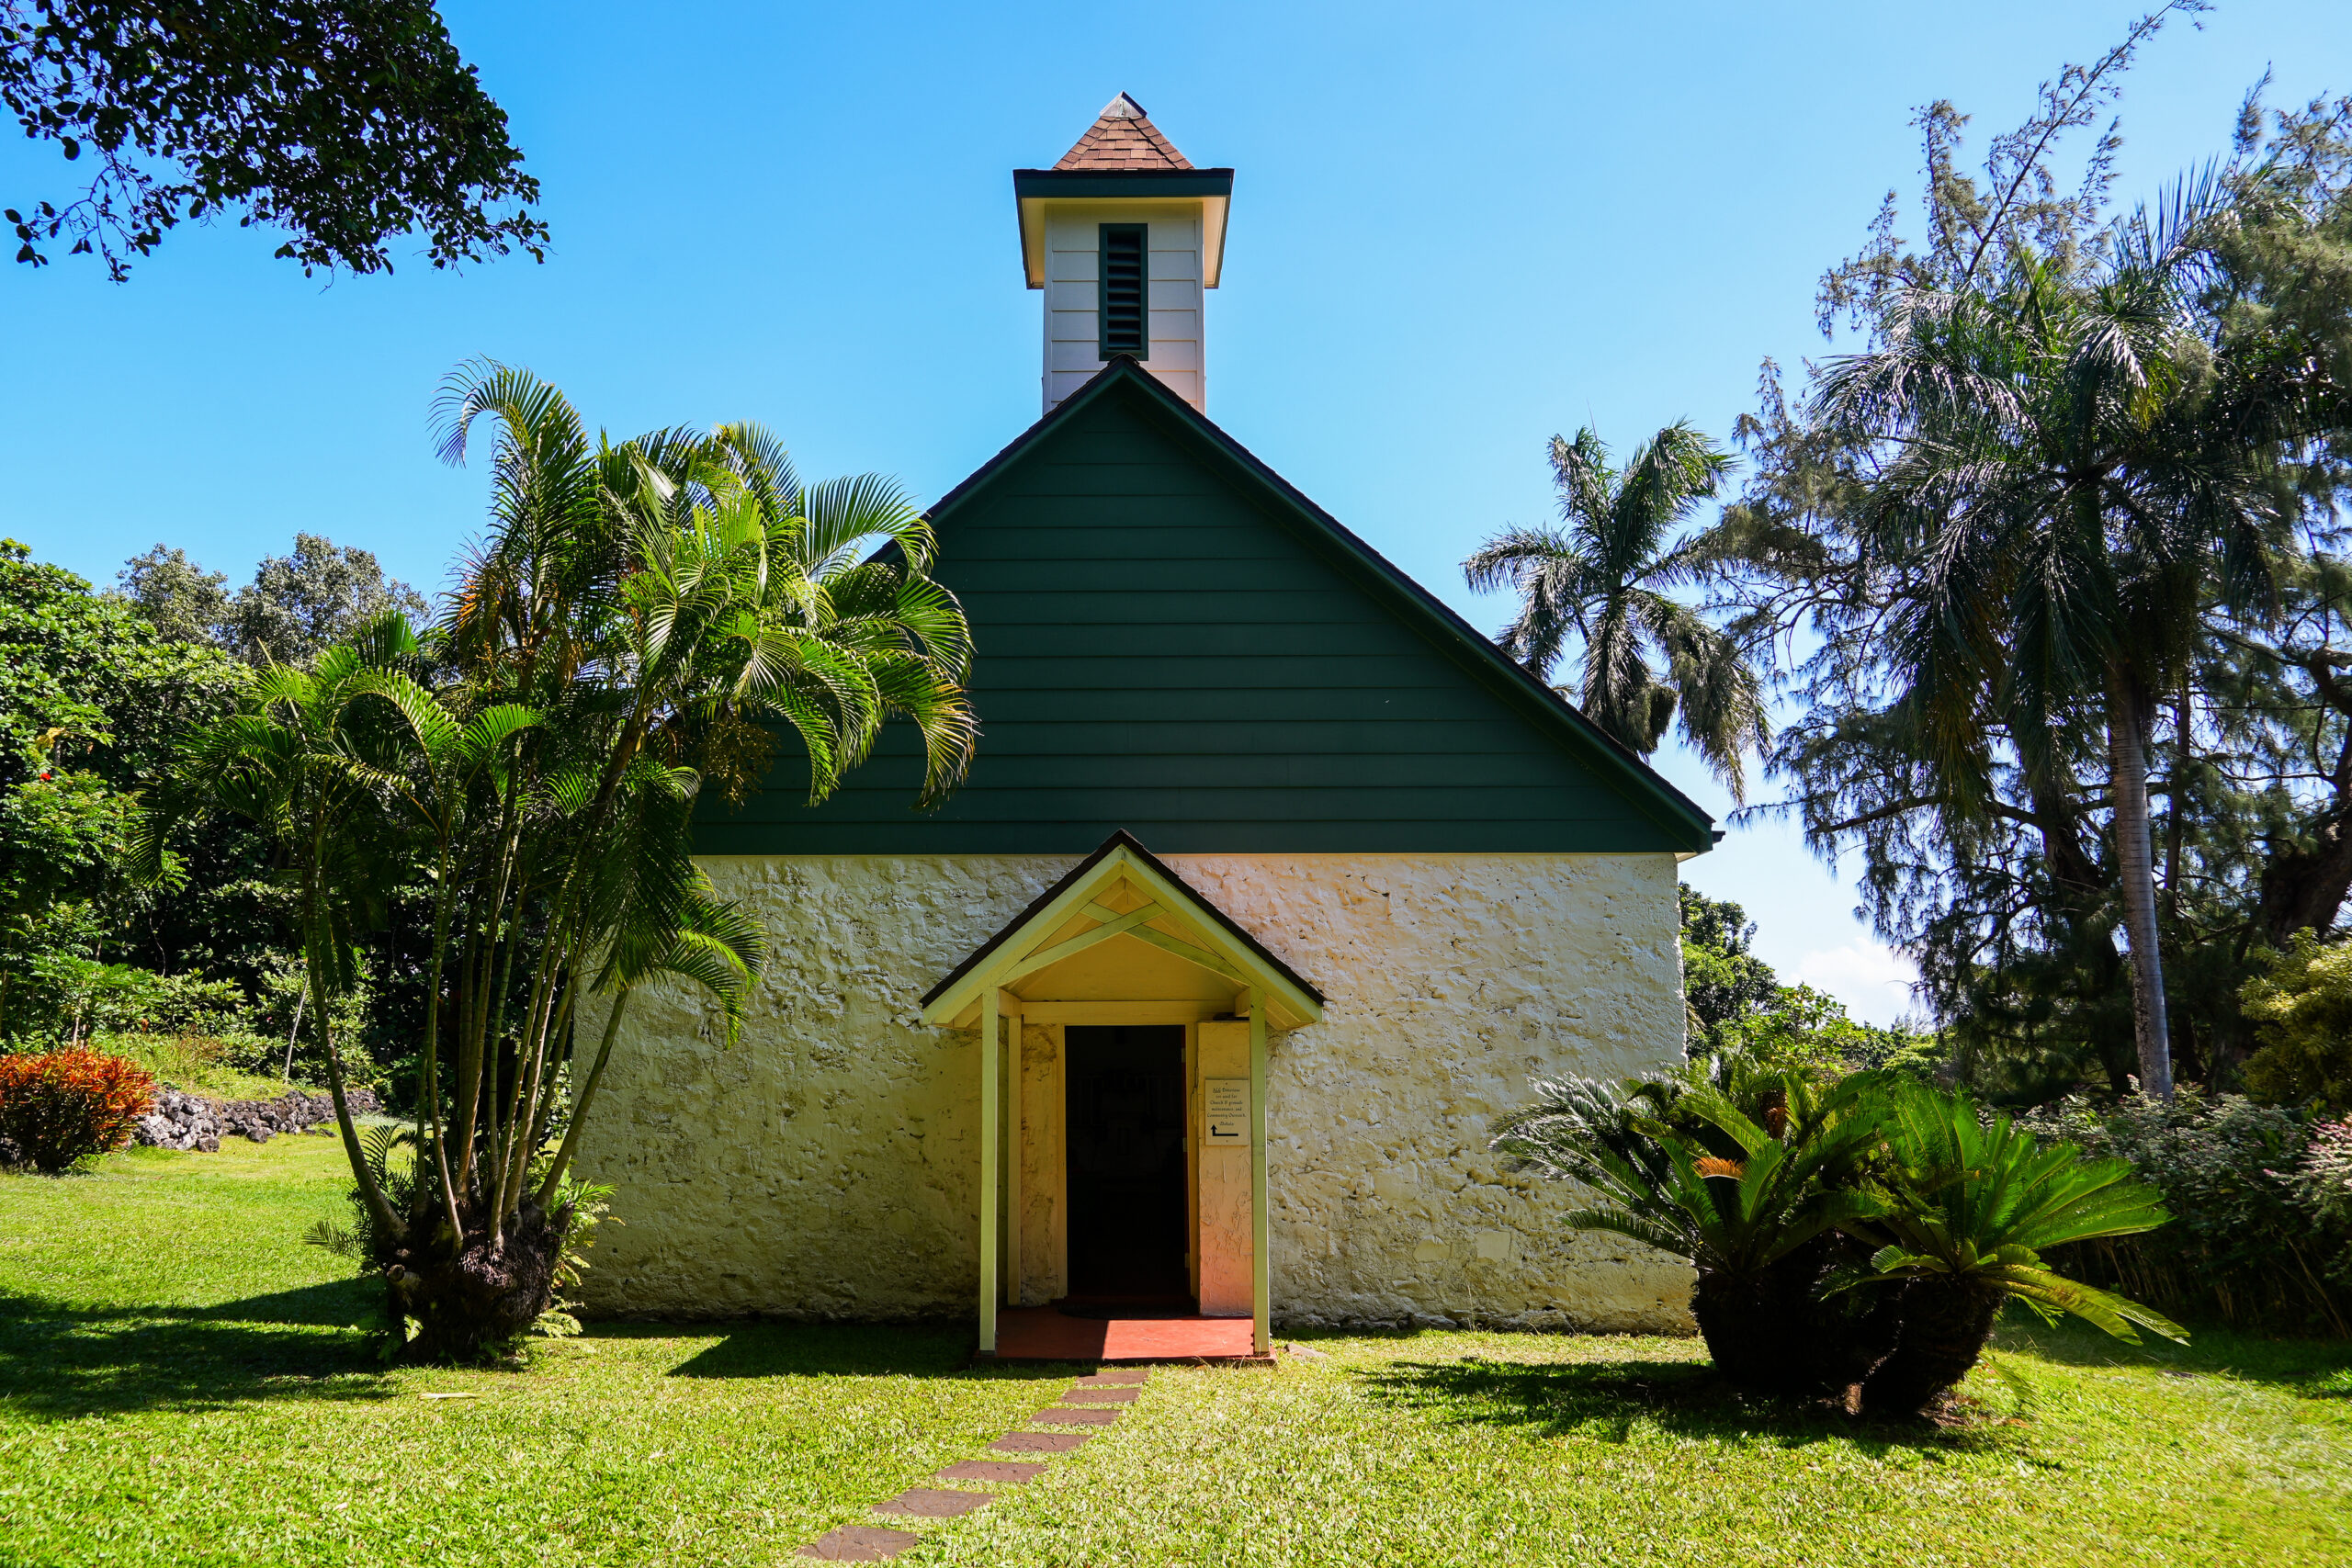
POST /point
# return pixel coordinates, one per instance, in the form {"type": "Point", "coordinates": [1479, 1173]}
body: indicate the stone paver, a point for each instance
{"type": "Point", "coordinates": [1093, 1401]}
{"type": "Point", "coordinates": [928, 1502]}
{"type": "Point", "coordinates": [1038, 1442]}
{"type": "Point", "coordinates": [859, 1543]}
{"type": "Point", "coordinates": [991, 1470]}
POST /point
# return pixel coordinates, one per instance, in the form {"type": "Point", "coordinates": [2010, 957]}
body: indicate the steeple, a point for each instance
{"type": "Point", "coordinates": [1124, 234]}
{"type": "Point", "coordinates": [1123, 137]}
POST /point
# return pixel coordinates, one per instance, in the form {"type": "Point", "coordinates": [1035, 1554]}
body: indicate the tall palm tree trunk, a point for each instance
{"type": "Point", "coordinates": [2135, 864]}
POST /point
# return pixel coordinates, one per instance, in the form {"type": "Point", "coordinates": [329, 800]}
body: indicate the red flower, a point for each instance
{"type": "Point", "coordinates": [64, 1106]}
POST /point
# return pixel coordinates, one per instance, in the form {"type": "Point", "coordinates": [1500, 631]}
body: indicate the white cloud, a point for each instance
{"type": "Point", "coordinates": [1873, 982]}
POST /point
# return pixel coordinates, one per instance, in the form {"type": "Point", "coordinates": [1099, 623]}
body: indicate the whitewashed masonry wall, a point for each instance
{"type": "Point", "coordinates": [827, 1165]}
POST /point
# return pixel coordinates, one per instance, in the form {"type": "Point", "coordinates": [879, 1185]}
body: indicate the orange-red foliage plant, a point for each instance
{"type": "Point", "coordinates": [64, 1106]}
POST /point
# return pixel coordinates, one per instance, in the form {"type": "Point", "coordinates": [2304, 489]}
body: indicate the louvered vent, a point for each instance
{"type": "Point", "coordinates": [1123, 289]}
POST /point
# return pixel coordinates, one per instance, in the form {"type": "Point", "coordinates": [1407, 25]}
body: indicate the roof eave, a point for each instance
{"type": "Point", "coordinates": [1033, 189]}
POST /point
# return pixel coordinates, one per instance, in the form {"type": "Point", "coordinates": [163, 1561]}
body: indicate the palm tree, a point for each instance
{"type": "Point", "coordinates": [286, 759]}
{"type": "Point", "coordinates": [640, 623]}
{"type": "Point", "coordinates": [1602, 579]}
{"type": "Point", "coordinates": [2054, 510]}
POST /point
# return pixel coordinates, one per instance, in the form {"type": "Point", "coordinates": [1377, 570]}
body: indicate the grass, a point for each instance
{"type": "Point", "coordinates": [177, 1385]}
{"type": "Point", "coordinates": [1462, 1449]}
{"type": "Point", "coordinates": [196, 1064]}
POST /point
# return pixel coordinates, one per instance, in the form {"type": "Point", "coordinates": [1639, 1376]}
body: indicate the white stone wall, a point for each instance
{"type": "Point", "coordinates": [827, 1165]}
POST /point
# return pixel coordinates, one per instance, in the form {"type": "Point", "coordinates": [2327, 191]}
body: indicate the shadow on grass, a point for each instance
{"type": "Point", "coordinates": [841, 1349]}
{"type": "Point", "coordinates": [1608, 1401]}
{"type": "Point", "coordinates": [64, 1361]}
{"type": "Point", "coordinates": [2314, 1367]}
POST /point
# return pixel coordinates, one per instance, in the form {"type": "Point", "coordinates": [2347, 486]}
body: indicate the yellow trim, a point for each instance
{"type": "Point", "coordinates": [991, 1059]}
{"type": "Point", "coordinates": [1212, 211]}
{"type": "Point", "coordinates": [1147, 1009]}
{"type": "Point", "coordinates": [1011, 1146]}
{"type": "Point", "coordinates": [1023, 954]}
{"type": "Point", "coordinates": [1261, 1271]}
{"type": "Point", "coordinates": [1117, 925]}
{"type": "Point", "coordinates": [1190, 952]}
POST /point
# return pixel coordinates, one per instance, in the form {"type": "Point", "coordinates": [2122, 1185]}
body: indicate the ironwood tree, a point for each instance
{"type": "Point", "coordinates": [2055, 562]}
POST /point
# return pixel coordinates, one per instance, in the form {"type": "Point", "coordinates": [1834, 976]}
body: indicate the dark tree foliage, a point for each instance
{"type": "Point", "coordinates": [301, 603]}
{"type": "Point", "coordinates": [1723, 982]}
{"type": "Point", "coordinates": [1989, 847]}
{"type": "Point", "coordinates": [344, 122]}
{"type": "Point", "coordinates": [93, 704]}
{"type": "Point", "coordinates": [182, 600]}
{"type": "Point", "coordinates": [296, 606]}
{"type": "Point", "coordinates": [98, 692]}
{"type": "Point", "coordinates": [231, 916]}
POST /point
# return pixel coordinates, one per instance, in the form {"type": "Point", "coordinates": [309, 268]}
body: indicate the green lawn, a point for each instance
{"type": "Point", "coordinates": [176, 1387]}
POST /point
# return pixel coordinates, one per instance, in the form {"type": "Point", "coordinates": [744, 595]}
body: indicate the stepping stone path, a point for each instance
{"type": "Point", "coordinates": [1092, 1402]}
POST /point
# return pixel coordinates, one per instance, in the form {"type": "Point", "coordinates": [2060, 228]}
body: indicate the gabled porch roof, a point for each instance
{"type": "Point", "coordinates": [1118, 921]}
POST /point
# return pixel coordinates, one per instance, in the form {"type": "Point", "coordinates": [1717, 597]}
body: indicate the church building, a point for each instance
{"type": "Point", "coordinates": [1272, 884]}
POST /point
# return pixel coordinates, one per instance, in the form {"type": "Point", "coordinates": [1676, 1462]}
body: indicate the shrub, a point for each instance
{"type": "Point", "coordinates": [60, 1108]}
{"type": "Point", "coordinates": [1804, 1029]}
{"type": "Point", "coordinates": [2323, 1182]}
{"type": "Point", "coordinates": [84, 997]}
{"type": "Point", "coordinates": [2253, 1239]}
{"type": "Point", "coordinates": [2303, 1010]}
{"type": "Point", "coordinates": [1855, 1238]}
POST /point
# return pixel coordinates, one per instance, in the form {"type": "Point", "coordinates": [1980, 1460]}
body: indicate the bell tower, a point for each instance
{"type": "Point", "coordinates": [1123, 235]}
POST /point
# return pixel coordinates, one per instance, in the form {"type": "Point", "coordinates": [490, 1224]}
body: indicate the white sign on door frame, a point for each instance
{"type": "Point", "coordinates": [1228, 1102]}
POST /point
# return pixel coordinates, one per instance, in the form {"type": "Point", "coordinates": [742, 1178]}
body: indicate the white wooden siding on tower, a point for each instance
{"type": "Point", "coordinates": [1073, 263]}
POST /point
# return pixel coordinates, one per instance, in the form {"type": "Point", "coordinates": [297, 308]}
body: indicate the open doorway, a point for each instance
{"type": "Point", "coordinates": [1125, 1121]}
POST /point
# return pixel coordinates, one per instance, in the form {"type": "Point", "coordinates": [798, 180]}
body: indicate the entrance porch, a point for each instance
{"type": "Point", "coordinates": [1047, 1334]}
{"type": "Point", "coordinates": [1123, 1022]}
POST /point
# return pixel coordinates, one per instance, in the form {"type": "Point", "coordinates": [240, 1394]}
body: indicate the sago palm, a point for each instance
{"type": "Point", "coordinates": [1965, 1205]}
{"type": "Point", "coordinates": [1644, 658]}
{"type": "Point", "coordinates": [1750, 1195]}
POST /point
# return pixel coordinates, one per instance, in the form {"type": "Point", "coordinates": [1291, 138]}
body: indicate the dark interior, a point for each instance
{"type": "Point", "coordinates": [1126, 1122]}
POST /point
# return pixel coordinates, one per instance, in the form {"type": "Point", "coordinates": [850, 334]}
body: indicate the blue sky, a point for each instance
{"type": "Point", "coordinates": [1456, 230]}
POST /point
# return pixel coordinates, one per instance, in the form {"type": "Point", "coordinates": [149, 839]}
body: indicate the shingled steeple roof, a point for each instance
{"type": "Point", "coordinates": [1123, 137]}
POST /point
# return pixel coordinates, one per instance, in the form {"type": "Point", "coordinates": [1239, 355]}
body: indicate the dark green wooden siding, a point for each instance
{"type": "Point", "coordinates": [1165, 646]}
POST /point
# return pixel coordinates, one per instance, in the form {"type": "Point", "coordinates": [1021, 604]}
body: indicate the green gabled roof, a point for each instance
{"type": "Point", "coordinates": [1424, 611]}
{"type": "Point", "coordinates": [1173, 642]}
